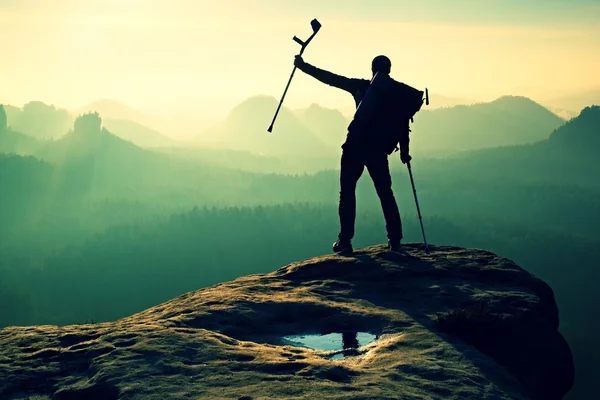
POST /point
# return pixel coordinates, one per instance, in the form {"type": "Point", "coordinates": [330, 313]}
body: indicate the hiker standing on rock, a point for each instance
{"type": "Point", "coordinates": [361, 152]}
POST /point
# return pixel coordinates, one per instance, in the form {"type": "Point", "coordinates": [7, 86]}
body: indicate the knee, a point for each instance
{"type": "Point", "coordinates": [347, 186]}
{"type": "Point", "coordinates": [347, 191]}
{"type": "Point", "coordinates": [384, 192]}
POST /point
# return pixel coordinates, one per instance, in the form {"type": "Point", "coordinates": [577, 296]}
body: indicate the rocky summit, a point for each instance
{"type": "Point", "coordinates": [454, 324]}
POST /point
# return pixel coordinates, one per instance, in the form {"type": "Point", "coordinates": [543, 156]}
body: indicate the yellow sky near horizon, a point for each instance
{"type": "Point", "coordinates": [185, 56]}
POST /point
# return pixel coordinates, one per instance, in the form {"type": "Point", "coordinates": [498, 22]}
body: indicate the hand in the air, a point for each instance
{"type": "Point", "coordinates": [405, 158]}
{"type": "Point", "coordinates": [298, 61]}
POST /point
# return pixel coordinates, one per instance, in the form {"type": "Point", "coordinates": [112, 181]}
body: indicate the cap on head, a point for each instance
{"type": "Point", "coordinates": [381, 64]}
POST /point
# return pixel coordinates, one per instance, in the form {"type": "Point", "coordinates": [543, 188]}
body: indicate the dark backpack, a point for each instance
{"type": "Point", "coordinates": [382, 118]}
{"type": "Point", "coordinates": [409, 102]}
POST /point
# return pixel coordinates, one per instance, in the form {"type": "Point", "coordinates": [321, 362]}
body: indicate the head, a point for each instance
{"type": "Point", "coordinates": [381, 64]}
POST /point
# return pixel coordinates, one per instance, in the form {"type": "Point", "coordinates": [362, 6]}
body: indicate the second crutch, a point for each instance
{"type": "Point", "coordinates": [412, 182]}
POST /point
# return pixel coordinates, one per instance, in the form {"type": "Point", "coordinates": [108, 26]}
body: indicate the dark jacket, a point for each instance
{"type": "Point", "coordinates": [356, 87]}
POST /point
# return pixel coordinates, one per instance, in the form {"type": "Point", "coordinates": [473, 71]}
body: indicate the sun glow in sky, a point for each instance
{"type": "Point", "coordinates": [206, 56]}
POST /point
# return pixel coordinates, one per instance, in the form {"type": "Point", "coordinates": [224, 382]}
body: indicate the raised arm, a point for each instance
{"type": "Point", "coordinates": [348, 84]}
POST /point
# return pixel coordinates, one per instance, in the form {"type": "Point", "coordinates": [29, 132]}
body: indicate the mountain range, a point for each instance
{"type": "Point", "coordinates": [579, 135]}
{"type": "Point", "coordinates": [328, 124]}
{"type": "Point", "coordinates": [39, 120]}
{"type": "Point", "coordinates": [315, 131]}
{"type": "Point", "coordinates": [508, 120]}
{"type": "Point", "coordinates": [118, 111]}
{"type": "Point", "coordinates": [245, 128]}
{"type": "Point", "coordinates": [137, 133]}
{"type": "Point", "coordinates": [94, 154]}
{"type": "Point", "coordinates": [17, 143]}
{"type": "Point", "coordinates": [568, 156]}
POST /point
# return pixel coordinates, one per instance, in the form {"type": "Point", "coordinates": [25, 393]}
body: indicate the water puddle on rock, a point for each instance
{"type": "Point", "coordinates": [334, 345]}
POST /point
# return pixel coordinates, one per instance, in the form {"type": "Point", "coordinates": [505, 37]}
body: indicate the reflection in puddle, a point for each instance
{"type": "Point", "coordinates": [339, 345]}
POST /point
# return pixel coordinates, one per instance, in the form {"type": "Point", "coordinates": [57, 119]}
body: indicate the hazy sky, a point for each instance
{"type": "Point", "coordinates": [209, 55]}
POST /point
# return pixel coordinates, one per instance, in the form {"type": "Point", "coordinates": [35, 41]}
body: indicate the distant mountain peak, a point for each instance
{"type": "Point", "coordinates": [581, 133]}
{"type": "Point", "coordinates": [315, 106]}
{"type": "Point", "coordinates": [508, 120]}
{"type": "Point", "coordinates": [113, 109]}
{"type": "Point", "coordinates": [515, 99]}
{"type": "Point", "coordinates": [590, 112]}
{"type": "Point", "coordinates": [318, 108]}
{"type": "Point", "coordinates": [103, 103]}
{"type": "Point", "coordinates": [245, 128]}
{"type": "Point", "coordinates": [88, 124]}
{"type": "Point", "coordinates": [258, 99]}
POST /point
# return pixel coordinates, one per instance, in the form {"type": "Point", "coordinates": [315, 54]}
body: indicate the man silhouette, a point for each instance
{"type": "Point", "coordinates": [360, 153]}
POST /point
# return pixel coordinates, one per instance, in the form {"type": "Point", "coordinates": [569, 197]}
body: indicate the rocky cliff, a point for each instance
{"type": "Point", "coordinates": [454, 324]}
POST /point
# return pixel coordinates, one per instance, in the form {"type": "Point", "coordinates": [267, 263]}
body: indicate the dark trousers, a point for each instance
{"type": "Point", "coordinates": [353, 163]}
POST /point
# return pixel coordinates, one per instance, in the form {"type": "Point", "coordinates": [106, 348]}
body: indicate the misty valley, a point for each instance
{"type": "Point", "coordinates": [103, 216]}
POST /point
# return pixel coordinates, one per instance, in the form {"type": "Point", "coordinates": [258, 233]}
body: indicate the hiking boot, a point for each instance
{"type": "Point", "coordinates": [342, 246]}
{"type": "Point", "coordinates": [394, 245]}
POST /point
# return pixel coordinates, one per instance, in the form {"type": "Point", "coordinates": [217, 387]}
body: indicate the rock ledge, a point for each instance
{"type": "Point", "coordinates": [455, 324]}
